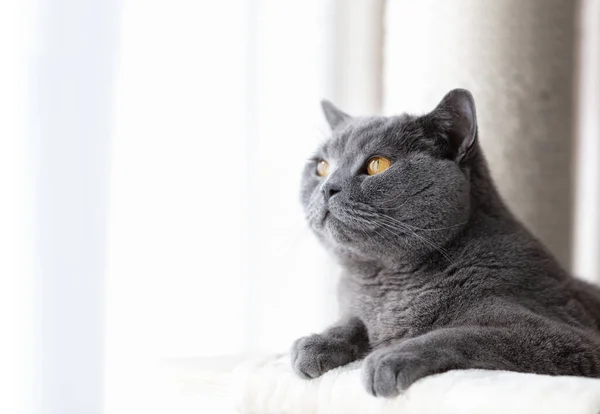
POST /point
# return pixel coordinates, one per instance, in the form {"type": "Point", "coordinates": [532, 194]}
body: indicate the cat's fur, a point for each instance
{"type": "Point", "coordinates": [438, 274]}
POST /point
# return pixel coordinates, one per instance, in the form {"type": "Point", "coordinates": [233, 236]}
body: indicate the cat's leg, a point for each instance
{"type": "Point", "coordinates": [339, 345]}
{"type": "Point", "coordinates": [551, 349]}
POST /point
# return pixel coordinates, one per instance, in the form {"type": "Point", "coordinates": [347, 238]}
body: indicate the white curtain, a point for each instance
{"type": "Point", "coordinates": [58, 62]}
{"type": "Point", "coordinates": [12, 211]}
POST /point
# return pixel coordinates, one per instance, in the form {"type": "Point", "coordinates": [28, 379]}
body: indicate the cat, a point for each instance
{"type": "Point", "coordinates": [437, 272]}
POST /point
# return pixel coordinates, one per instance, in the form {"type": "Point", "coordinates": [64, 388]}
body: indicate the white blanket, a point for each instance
{"type": "Point", "coordinates": [268, 386]}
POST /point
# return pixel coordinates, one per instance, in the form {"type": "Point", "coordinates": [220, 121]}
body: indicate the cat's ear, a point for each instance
{"type": "Point", "coordinates": [335, 117]}
{"type": "Point", "coordinates": [456, 116]}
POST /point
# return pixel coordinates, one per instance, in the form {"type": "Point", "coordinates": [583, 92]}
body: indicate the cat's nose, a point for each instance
{"type": "Point", "coordinates": [330, 189]}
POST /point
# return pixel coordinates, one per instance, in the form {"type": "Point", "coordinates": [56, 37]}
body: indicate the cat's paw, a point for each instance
{"type": "Point", "coordinates": [314, 355]}
{"type": "Point", "coordinates": [389, 372]}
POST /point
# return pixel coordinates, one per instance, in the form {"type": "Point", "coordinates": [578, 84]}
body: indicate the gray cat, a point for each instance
{"type": "Point", "coordinates": [438, 274]}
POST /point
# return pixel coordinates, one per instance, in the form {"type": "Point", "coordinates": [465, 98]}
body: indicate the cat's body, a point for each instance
{"type": "Point", "coordinates": [438, 274]}
{"type": "Point", "coordinates": [441, 292]}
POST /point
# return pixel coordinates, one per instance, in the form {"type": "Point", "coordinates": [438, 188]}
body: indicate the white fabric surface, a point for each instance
{"type": "Point", "coordinates": [268, 386]}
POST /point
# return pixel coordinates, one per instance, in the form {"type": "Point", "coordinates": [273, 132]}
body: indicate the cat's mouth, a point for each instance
{"type": "Point", "coordinates": [325, 215]}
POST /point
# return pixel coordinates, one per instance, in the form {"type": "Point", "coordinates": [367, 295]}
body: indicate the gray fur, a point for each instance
{"type": "Point", "coordinates": [438, 274]}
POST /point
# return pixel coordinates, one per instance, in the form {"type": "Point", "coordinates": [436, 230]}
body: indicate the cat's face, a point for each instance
{"type": "Point", "coordinates": [415, 205]}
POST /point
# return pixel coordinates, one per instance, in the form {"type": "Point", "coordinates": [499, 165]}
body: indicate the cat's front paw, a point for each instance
{"type": "Point", "coordinates": [314, 355]}
{"type": "Point", "coordinates": [390, 371]}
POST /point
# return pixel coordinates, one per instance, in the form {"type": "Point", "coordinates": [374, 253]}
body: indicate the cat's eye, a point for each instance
{"type": "Point", "coordinates": [323, 168]}
{"type": "Point", "coordinates": [377, 165]}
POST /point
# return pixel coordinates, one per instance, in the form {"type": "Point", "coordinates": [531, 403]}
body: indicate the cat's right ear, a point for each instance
{"type": "Point", "coordinates": [456, 116]}
{"type": "Point", "coordinates": [335, 117]}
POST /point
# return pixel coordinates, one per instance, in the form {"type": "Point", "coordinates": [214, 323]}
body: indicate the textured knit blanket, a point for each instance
{"type": "Point", "coordinates": [268, 386]}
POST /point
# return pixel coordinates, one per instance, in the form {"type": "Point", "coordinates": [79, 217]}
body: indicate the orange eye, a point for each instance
{"type": "Point", "coordinates": [377, 165]}
{"type": "Point", "coordinates": [323, 168]}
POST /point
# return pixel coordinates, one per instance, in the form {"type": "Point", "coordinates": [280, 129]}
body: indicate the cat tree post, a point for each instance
{"type": "Point", "coordinates": [587, 236]}
{"type": "Point", "coordinates": [517, 58]}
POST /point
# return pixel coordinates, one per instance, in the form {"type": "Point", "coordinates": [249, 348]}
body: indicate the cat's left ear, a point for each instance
{"type": "Point", "coordinates": [456, 116]}
{"type": "Point", "coordinates": [335, 117]}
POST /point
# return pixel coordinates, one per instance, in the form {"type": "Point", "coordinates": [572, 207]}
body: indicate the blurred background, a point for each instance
{"type": "Point", "coordinates": [151, 153]}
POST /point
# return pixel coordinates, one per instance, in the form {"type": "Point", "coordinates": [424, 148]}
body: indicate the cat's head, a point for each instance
{"type": "Point", "coordinates": [392, 187]}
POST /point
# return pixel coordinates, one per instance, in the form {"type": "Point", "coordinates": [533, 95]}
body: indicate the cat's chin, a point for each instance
{"type": "Point", "coordinates": [338, 236]}
{"type": "Point", "coordinates": [334, 230]}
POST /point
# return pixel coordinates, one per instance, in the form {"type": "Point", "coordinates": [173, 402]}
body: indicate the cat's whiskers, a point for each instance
{"type": "Point", "coordinates": [437, 228]}
{"type": "Point", "coordinates": [390, 229]}
{"type": "Point", "coordinates": [386, 239]}
{"type": "Point", "coordinates": [390, 232]}
{"type": "Point", "coordinates": [371, 217]}
{"type": "Point", "coordinates": [398, 225]}
{"type": "Point", "coordinates": [367, 218]}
